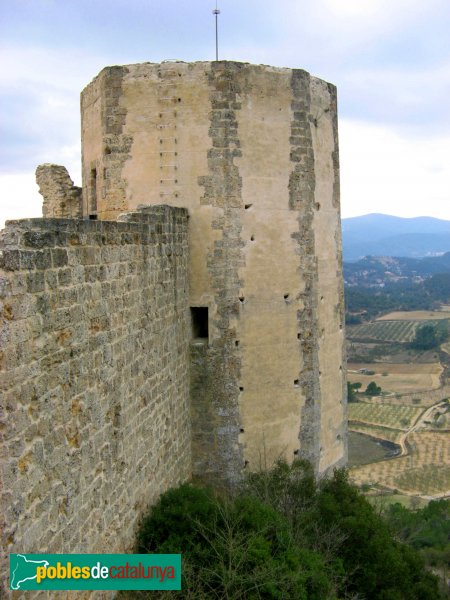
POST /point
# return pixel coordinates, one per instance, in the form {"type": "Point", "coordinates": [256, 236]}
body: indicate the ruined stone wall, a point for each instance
{"type": "Point", "coordinates": [94, 416]}
{"type": "Point", "coordinates": [252, 152]}
{"type": "Point", "coordinates": [62, 199]}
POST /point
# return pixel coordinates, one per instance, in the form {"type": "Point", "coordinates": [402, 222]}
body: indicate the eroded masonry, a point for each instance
{"type": "Point", "coordinates": [232, 308]}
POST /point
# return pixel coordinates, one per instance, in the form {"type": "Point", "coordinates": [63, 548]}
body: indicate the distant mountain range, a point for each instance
{"type": "Point", "coordinates": [385, 235]}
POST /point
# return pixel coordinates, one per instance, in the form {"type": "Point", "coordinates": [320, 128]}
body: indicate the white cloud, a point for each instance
{"type": "Point", "coordinates": [20, 197]}
{"type": "Point", "coordinates": [383, 171]}
{"type": "Point", "coordinates": [330, 34]}
{"type": "Point", "coordinates": [378, 12]}
{"type": "Point", "coordinates": [67, 69]}
{"type": "Point", "coordinates": [411, 100]}
{"type": "Point", "coordinates": [413, 86]}
{"type": "Point", "coordinates": [20, 194]}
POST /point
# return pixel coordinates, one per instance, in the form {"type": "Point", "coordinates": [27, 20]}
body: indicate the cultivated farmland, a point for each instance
{"type": "Point", "coordinates": [391, 416]}
{"type": "Point", "coordinates": [416, 315]}
{"type": "Point", "coordinates": [410, 412]}
{"type": "Point", "coordinates": [384, 331]}
{"type": "Point", "coordinates": [381, 433]}
{"type": "Point", "coordinates": [397, 378]}
{"type": "Point", "coordinates": [425, 470]}
{"type": "Point", "coordinates": [388, 331]}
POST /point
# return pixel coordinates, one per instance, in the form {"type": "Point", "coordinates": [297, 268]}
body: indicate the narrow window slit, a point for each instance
{"type": "Point", "coordinates": [93, 192]}
{"type": "Point", "coordinates": [199, 320]}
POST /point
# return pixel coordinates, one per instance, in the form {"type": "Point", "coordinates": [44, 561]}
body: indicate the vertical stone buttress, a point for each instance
{"type": "Point", "coordinates": [216, 369]}
{"type": "Point", "coordinates": [340, 308]}
{"type": "Point", "coordinates": [301, 199]}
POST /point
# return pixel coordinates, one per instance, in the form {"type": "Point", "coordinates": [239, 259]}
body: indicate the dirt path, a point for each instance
{"type": "Point", "coordinates": [419, 422]}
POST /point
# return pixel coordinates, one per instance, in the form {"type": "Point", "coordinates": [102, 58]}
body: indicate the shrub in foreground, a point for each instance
{"type": "Point", "coordinates": [284, 536]}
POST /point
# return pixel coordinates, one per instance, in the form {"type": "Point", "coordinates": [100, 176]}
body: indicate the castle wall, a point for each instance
{"type": "Point", "coordinates": [94, 414]}
{"type": "Point", "coordinates": [252, 152]}
{"type": "Point", "coordinates": [62, 199]}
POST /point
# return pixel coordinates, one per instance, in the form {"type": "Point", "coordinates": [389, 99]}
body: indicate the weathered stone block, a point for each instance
{"type": "Point", "coordinates": [78, 340]}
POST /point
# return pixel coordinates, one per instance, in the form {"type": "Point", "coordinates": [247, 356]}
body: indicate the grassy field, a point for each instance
{"type": "Point", "coordinates": [392, 416]}
{"type": "Point", "coordinates": [416, 315]}
{"type": "Point", "coordinates": [399, 378]}
{"type": "Point", "coordinates": [364, 449]}
{"type": "Point", "coordinates": [381, 433]}
{"type": "Point", "coordinates": [425, 471]}
{"type": "Point", "coordinates": [382, 501]}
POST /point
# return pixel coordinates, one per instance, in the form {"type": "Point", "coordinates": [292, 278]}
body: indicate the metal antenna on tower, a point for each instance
{"type": "Point", "coordinates": [216, 13]}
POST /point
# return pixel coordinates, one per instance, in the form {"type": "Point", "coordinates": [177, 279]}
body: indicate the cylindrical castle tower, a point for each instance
{"type": "Point", "coordinates": [252, 152]}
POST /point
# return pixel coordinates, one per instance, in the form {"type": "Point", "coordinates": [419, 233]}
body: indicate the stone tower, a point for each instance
{"type": "Point", "coordinates": [252, 153]}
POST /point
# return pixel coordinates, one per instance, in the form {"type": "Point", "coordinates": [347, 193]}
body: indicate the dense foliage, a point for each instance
{"type": "Point", "coordinates": [430, 336]}
{"type": "Point", "coordinates": [352, 390]}
{"type": "Point", "coordinates": [427, 530]}
{"type": "Point", "coordinates": [364, 303]}
{"type": "Point", "coordinates": [284, 536]}
{"type": "Point", "coordinates": [373, 389]}
{"type": "Point", "coordinates": [370, 302]}
{"type": "Point", "coordinates": [438, 286]}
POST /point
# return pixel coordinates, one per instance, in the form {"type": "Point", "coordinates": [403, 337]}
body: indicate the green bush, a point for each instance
{"type": "Point", "coordinates": [284, 536]}
{"type": "Point", "coordinates": [352, 390]}
{"type": "Point", "coordinates": [376, 565]}
{"type": "Point", "coordinates": [373, 389]}
{"type": "Point", "coordinates": [239, 548]}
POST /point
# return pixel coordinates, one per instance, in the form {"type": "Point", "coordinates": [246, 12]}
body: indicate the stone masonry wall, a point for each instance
{"type": "Point", "coordinates": [62, 199]}
{"type": "Point", "coordinates": [252, 152]}
{"type": "Point", "coordinates": [216, 422]}
{"type": "Point", "coordinates": [94, 417]}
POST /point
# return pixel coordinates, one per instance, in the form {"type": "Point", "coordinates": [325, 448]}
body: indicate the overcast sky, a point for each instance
{"type": "Point", "coordinates": [390, 60]}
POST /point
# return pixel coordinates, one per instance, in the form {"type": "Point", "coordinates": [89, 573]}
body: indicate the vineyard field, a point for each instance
{"type": "Point", "coordinates": [387, 331]}
{"type": "Point", "coordinates": [425, 471]}
{"type": "Point", "coordinates": [387, 415]}
{"type": "Point", "coordinates": [384, 331]}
